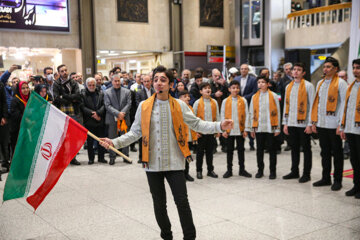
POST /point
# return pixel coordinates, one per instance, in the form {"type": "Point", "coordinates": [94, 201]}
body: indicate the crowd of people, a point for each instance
{"type": "Point", "coordinates": [283, 109]}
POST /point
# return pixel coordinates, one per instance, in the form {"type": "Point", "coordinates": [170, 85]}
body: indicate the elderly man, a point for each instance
{"type": "Point", "coordinates": [185, 78]}
{"type": "Point", "coordinates": [117, 103]}
{"type": "Point", "coordinates": [93, 110]}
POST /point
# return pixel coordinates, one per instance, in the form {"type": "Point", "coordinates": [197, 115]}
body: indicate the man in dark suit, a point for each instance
{"type": "Point", "coordinates": [143, 94]}
{"type": "Point", "coordinates": [248, 87]}
{"type": "Point", "coordinates": [117, 103]}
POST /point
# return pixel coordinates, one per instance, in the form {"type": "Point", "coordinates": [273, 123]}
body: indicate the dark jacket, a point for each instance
{"type": "Point", "coordinates": [3, 103]}
{"type": "Point", "coordinates": [141, 95]}
{"type": "Point", "coordinates": [223, 88]}
{"type": "Point", "coordinates": [194, 93]}
{"type": "Point", "coordinates": [281, 88]}
{"type": "Point", "coordinates": [16, 112]}
{"type": "Point", "coordinates": [250, 89]}
{"type": "Point", "coordinates": [62, 95]}
{"type": "Point", "coordinates": [87, 107]}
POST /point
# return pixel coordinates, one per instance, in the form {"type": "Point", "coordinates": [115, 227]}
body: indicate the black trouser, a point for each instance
{"type": "Point", "coordinates": [98, 131]}
{"type": "Point", "coordinates": [113, 133]}
{"type": "Point", "coordinates": [297, 138]}
{"type": "Point", "coordinates": [5, 144]}
{"type": "Point", "coordinates": [177, 185]}
{"type": "Point", "coordinates": [354, 144]}
{"type": "Point", "coordinates": [186, 171]}
{"type": "Point", "coordinates": [230, 141]}
{"type": "Point", "coordinates": [251, 140]}
{"type": "Point", "coordinates": [140, 149]}
{"type": "Point", "coordinates": [264, 140]}
{"type": "Point", "coordinates": [331, 144]}
{"type": "Point", "coordinates": [206, 144]}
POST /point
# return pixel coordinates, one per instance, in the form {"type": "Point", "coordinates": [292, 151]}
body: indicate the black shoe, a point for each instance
{"type": "Point", "coordinates": [304, 179]}
{"type": "Point", "coordinates": [212, 174]}
{"type": "Point", "coordinates": [126, 161]}
{"type": "Point", "coordinates": [223, 149]}
{"type": "Point", "coordinates": [227, 174]}
{"type": "Point", "coordinates": [352, 192]}
{"type": "Point", "coordinates": [189, 178]}
{"type": "Point", "coordinates": [91, 162]}
{"type": "Point", "coordinates": [244, 173]}
{"type": "Point", "coordinates": [287, 148]}
{"type": "Point", "coordinates": [322, 183]}
{"type": "Point", "coordinates": [336, 186]}
{"type": "Point", "coordinates": [214, 151]}
{"type": "Point", "coordinates": [346, 156]}
{"type": "Point", "coordinates": [259, 175]}
{"type": "Point", "coordinates": [0, 177]}
{"type": "Point", "coordinates": [102, 161]}
{"type": "Point", "coordinates": [139, 161]}
{"type": "Point", "coordinates": [75, 162]}
{"type": "Point", "coordinates": [272, 176]}
{"type": "Point", "coordinates": [291, 176]}
{"type": "Point", "coordinates": [357, 196]}
{"type": "Point", "coordinates": [199, 175]}
{"type": "Point", "coordinates": [133, 149]}
{"type": "Point", "coordinates": [112, 161]}
{"type": "Point", "coordinates": [252, 148]}
{"type": "Point", "coordinates": [278, 151]}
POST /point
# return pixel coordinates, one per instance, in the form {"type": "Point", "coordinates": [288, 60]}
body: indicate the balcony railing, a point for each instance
{"type": "Point", "coordinates": [319, 16]}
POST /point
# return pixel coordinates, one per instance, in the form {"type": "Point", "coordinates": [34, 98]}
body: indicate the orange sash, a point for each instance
{"type": "Point", "coordinates": [178, 123]}
{"type": "Point", "coordinates": [240, 110]}
{"type": "Point", "coordinates": [331, 103]}
{"type": "Point", "coordinates": [357, 112]}
{"type": "Point", "coordinates": [201, 109]}
{"type": "Point", "coordinates": [301, 103]}
{"type": "Point", "coordinates": [273, 110]}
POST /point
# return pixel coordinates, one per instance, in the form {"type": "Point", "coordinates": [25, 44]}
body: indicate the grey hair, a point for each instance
{"type": "Point", "coordinates": [115, 75]}
{"type": "Point", "coordinates": [288, 63]}
{"type": "Point", "coordinates": [89, 79]}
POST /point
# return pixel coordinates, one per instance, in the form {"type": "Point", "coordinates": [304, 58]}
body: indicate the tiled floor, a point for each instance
{"type": "Point", "coordinates": [113, 202]}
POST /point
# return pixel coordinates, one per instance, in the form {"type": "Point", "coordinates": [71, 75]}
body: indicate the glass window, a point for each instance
{"type": "Point", "coordinates": [245, 20]}
{"type": "Point", "coordinates": [256, 19]}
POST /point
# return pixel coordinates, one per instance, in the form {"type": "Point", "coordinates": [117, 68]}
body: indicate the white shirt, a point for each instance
{"type": "Point", "coordinates": [164, 152]}
{"type": "Point", "coordinates": [264, 113]}
{"type": "Point", "coordinates": [243, 82]}
{"type": "Point", "coordinates": [207, 110]}
{"type": "Point", "coordinates": [329, 121]}
{"type": "Point", "coordinates": [351, 110]}
{"type": "Point", "coordinates": [235, 116]}
{"type": "Point", "coordinates": [148, 92]}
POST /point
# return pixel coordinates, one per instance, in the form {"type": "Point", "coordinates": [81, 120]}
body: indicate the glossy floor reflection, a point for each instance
{"type": "Point", "coordinates": [113, 202]}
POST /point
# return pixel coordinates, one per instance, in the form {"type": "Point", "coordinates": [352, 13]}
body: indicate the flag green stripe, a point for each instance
{"type": "Point", "coordinates": [30, 131]}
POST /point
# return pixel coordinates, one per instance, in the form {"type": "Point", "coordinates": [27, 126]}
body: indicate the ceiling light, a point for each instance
{"type": "Point", "coordinates": [129, 52]}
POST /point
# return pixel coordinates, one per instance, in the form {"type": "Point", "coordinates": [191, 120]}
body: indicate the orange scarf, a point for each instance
{"type": "Point", "coordinates": [332, 100]}
{"type": "Point", "coordinates": [121, 126]}
{"type": "Point", "coordinates": [20, 99]}
{"type": "Point", "coordinates": [357, 108]}
{"type": "Point", "coordinates": [301, 103]}
{"type": "Point", "coordinates": [201, 109]}
{"type": "Point", "coordinates": [178, 123]}
{"type": "Point", "coordinates": [273, 110]}
{"type": "Point", "coordinates": [240, 110]}
{"type": "Point", "coordinates": [193, 133]}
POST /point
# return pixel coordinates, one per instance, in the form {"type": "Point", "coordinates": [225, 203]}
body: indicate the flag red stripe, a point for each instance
{"type": "Point", "coordinates": [74, 139]}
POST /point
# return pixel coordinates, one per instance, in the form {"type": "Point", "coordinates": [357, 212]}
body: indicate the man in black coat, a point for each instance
{"type": "Point", "coordinates": [93, 110]}
{"type": "Point", "coordinates": [143, 94]}
{"type": "Point", "coordinates": [67, 96]}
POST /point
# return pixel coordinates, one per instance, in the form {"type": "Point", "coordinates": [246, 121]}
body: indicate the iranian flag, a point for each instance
{"type": "Point", "coordinates": [48, 140]}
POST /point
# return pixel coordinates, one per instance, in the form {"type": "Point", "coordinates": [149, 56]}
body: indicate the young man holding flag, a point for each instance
{"type": "Point", "coordinates": [160, 121]}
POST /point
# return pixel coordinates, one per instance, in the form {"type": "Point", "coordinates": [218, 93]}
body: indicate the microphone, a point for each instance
{"type": "Point", "coordinates": [160, 91]}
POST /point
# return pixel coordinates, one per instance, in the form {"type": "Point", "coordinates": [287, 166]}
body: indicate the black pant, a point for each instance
{"type": "Point", "coordinates": [140, 149]}
{"type": "Point", "coordinates": [264, 140]}
{"type": "Point", "coordinates": [5, 145]}
{"type": "Point", "coordinates": [251, 140]}
{"type": "Point", "coordinates": [206, 144]}
{"type": "Point", "coordinates": [230, 141]}
{"type": "Point", "coordinates": [297, 138]}
{"type": "Point", "coordinates": [354, 144]}
{"type": "Point", "coordinates": [98, 131]}
{"type": "Point", "coordinates": [331, 144]}
{"type": "Point", "coordinates": [177, 185]}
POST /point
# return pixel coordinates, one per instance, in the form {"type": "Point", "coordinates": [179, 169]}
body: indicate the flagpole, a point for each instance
{"type": "Point", "coordinates": [110, 147]}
